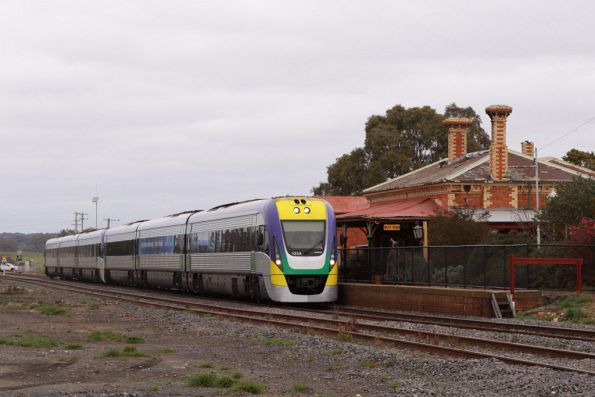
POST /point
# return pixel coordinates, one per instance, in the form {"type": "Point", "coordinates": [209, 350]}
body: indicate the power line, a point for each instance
{"type": "Point", "coordinates": [569, 132]}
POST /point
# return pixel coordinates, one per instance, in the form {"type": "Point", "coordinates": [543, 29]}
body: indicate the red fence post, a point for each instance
{"type": "Point", "coordinates": [579, 275]}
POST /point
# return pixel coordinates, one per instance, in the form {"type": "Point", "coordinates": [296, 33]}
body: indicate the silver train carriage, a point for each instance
{"type": "Point", "coordinates": [282, 249]}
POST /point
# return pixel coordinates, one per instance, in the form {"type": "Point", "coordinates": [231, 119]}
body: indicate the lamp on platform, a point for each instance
{"type": "Point", "coordinates": [417, 231]}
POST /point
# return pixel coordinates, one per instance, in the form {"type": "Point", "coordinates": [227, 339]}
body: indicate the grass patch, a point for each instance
{"type": "Point", "coordinates": [395, 386]}
{"type": "Point", "coordinates": [153, 388]}
{"type": "Point", "coordinates": [37, 341]}
{"type": "Point", "coordinates": [300, 388]}
{"type": "Point", "coordinates": [93, 306]}
{"type": "Point", "coordinates": [336, 352]}
{"type": "Point", "coordinates": [113, 352]}
{"type": "Point", "coordinates": [249, 386]}
{"type": "Point", "coordinates": [73, 346]}
{"type": "Point", "coordinates": [344, 336]}
{"type": "Point", "coordinates": [368, 364]}
{"type": "Point", "coordinates": [167, 350]}
{"type": "Point", "coordinates": [206, 365]}
{"type": "Point", "coordinates": [571, 308]}
{"type": "Point", "coordinates": [279, 342]}
{"type": "Point", "coordinates": [211, 379]}
{"type": "Point", "coordinates": [50, 309]}
{"type": "Point", "coordinates": [114, 336]}
{"type": "Point", "coordinates": [128, 351]}
{"type": "Point", "coordinates": [203, 380]}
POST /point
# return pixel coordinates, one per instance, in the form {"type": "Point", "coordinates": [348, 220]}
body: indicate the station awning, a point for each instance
{"type": "Point", "coordinates": [419, 208]}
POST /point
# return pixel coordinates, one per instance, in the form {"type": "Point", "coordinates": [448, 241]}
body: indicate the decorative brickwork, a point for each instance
{"type": "Point", "coordinates": [500, 196]}
{"type": "Point", "coordinates": [457, 136]}
{"type": "Point", "coordinates": [498, 149]}
{"type": "Point", "coordinates": [528, 148]}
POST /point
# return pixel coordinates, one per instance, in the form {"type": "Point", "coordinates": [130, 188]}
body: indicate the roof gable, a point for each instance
{"type": "Point", "coordinates": [475, 167]}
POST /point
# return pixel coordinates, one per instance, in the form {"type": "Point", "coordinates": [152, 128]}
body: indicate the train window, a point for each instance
{"type": "Point", "coordinates": [157, 245]}
{"type": "Point", "coordinates": [304, 238]}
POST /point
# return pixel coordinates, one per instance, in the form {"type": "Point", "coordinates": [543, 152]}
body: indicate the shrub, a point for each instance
{"type": "Point", "coordinates": [249, 386]}
{"type": "Point", "coordinates": [50, 309]}
{"type": "Point", "coordinates": [300, 388]}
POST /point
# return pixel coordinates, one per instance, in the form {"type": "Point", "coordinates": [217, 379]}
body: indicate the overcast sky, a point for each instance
{"type": "Point", "coordinates": [173, 105]}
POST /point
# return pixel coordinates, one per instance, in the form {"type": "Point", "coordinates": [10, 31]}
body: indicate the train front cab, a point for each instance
{"type": "Point", "coordinates": [303, 264]}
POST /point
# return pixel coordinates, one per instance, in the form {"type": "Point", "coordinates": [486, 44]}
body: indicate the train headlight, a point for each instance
{"type": "Point", "coordinates": [278, 262]}
{"type": "Point", "coordinates": [332, 262]}
{"type": "Point", "coordinates": [296, 210]}
{"type": "Point", "coordinates": [306, 210]}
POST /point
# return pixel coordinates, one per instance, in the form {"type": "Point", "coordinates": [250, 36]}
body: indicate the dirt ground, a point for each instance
{"type": "Point", "coordinates": [175, 346]}
{"type": "Point", "coordinates": [55, 343]}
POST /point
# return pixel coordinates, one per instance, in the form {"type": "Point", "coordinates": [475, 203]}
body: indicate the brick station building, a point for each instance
{"type": "Point", "coordinates": [499, 181]}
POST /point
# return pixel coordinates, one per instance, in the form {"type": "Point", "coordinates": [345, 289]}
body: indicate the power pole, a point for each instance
{"type": "Point", "coordinates": [83, 219]}
{"type": "Point", "coordinates": [109, 220]}
{"type": "Point", "coordinates": [538, 230]}
{"type": "Point", "coordinates": [76, 222]}
{"type": "Point", "coordinates": [96, 200]}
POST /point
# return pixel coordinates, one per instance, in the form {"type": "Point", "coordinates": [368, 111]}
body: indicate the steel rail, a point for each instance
{"type": "Point", "coordinates": [528, 329]}
{"type": "Point", "coordinates": [349, 327]}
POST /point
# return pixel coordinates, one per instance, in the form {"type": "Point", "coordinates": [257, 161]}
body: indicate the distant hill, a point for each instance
{"type": "Point", "coordinates": [33, 242]}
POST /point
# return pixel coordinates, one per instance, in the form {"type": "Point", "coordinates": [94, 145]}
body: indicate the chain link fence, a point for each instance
{"type": "Point", "coordinates": [484, 266]}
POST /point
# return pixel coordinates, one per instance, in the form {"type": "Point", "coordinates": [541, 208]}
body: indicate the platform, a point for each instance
{"type": "Point", "coordinates": [463, 301]}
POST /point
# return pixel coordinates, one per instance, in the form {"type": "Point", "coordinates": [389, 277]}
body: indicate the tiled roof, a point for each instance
{"type": "Point", "coordinates": [475, 167]}
{"type": "Point", "coordinates": [343, 204]}
{"type": "Point", "coordinates": [401, 209]}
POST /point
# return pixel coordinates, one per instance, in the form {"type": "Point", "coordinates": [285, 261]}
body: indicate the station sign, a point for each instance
{"type": "Point", "coordinates": [392, 226]}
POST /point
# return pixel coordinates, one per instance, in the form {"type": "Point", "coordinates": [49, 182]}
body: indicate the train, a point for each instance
{"type": "Point", "coordinates": [280, 249]}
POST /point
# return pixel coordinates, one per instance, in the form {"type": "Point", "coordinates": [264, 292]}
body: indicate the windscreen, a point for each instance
{"type": "Point", "coordinates": [304, 238]}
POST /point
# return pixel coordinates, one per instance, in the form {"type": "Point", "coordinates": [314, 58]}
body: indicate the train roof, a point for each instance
{"type": "Point", "coordinates": [124, 229]}
{"type": "Point", "coordinates": [248, 207]}
{"type": "Point", "coordinates": [171, 220]}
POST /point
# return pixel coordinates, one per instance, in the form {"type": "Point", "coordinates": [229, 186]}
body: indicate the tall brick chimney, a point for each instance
{"type": "Point", "coordinates": [498, 149]}
{"type": "Point", "coordinates": [528, 148]}
{"type": "Point", "coordinates": [457, 136]}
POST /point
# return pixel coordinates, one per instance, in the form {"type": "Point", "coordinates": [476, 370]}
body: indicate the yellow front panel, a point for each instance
{"type": "Point", "coordinates": [286, 208]}
{"type": "Point", "coordinates": [333, 276]}
{"type": "Point", "coordinates": [277, 276]}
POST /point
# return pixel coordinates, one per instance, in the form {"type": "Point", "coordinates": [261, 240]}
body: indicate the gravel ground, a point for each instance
{"type": "Point", "coordinates": [178, 345]}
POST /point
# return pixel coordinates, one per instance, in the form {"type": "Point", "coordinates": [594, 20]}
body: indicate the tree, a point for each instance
{"type": "Point", "coordinates": [573, 202]}
{"type": "Point", "coordinates": [459, 227]}
{"type": "Point", "coordinates": [396, 143]}
{"type": "Point", "coordinates": [580, 158]}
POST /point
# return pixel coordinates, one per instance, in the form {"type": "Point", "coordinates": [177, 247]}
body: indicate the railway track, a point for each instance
{"type": "Point", "coordinates": [476, 324]}
{"type": "Point", "coordinates": [351, 326]}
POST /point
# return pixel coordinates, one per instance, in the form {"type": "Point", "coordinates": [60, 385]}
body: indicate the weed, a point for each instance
{"type": "Point", "coordinates": [98, 336]}
{"type": "Point", "coordinates": [37, 341]}
{"type": "Point", "coordinates": [225, 368]}
{"type": "Point", "coordinates": [203, 380]}
{"type": "Point", "coordinates": [93, 306]}
{"type": "Point", "coordinates": [111, 353]}
{"type": "Point", "coordinates": [345, 336]}
{"type": "Point", "coordinates": [395, 386]}
{"type": "Point", "coordinates": [336, 352]}
{"type": "Point", "coordinates": [225, 381]}
{"type": "Point", "coordinates": [279, 342]}
{"type": "Point", "coordinates": [368, 364]}
{"type": "Point", "coordinates": [167, 350]}
{"type": "Point", "coordinates": [249, 386]}
{"type": "Point", "coordinates": [73, 346]}
{"type": "Point", "coordinates": [132, 351]}
{"type": "Point", "coordinates": [134, 339]}
{"type": "Point", "coordinates": [206, 365]}
{"type": "Point", "coordinates": [153, 388]}
{"type": "Point", "coordinates": [311, 359]}
{"type": "Point", "coordinates": [300, 388]}
{"type": "Point", "coordinates": [50, 309]}
{"type": "Point", "coordinates": [237, 375]}
{"type": "Point", "coordinates": [384, 377]}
